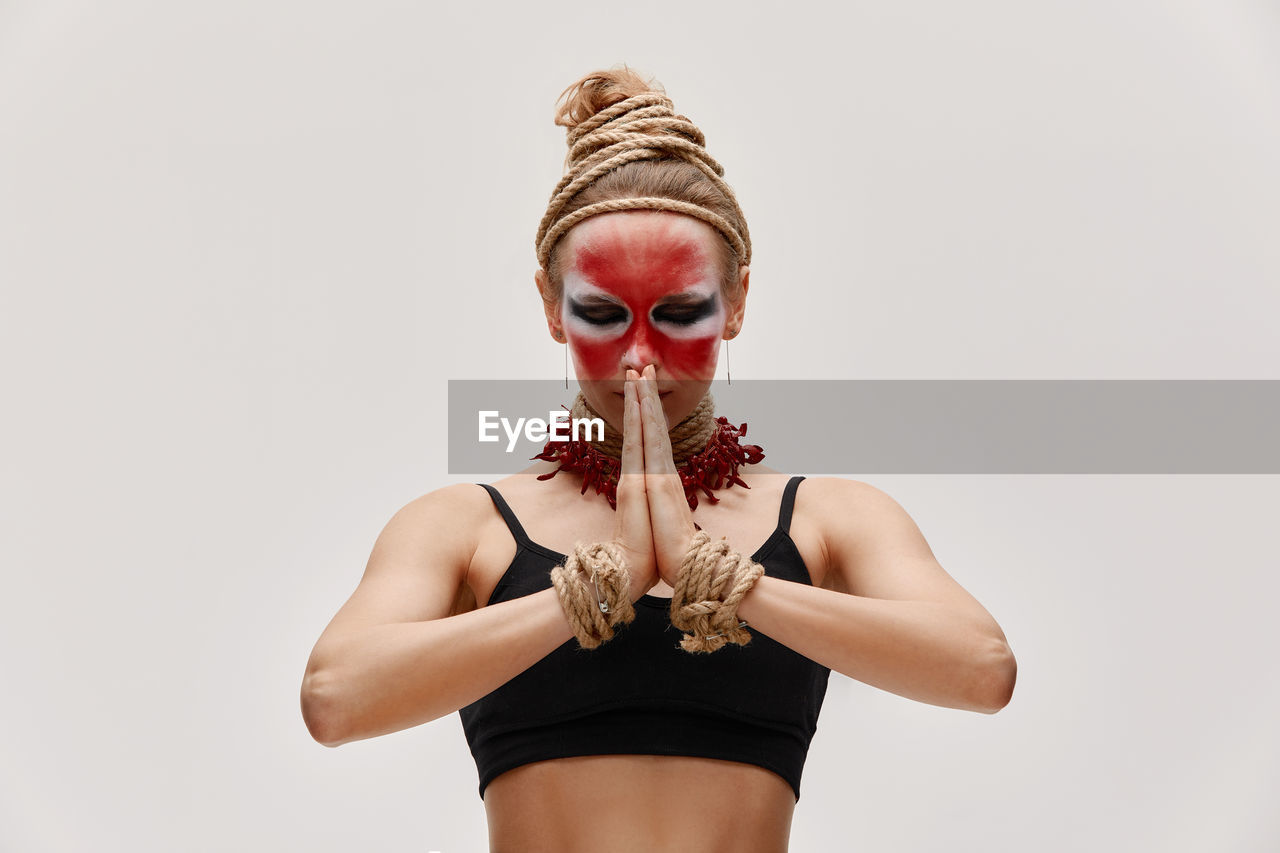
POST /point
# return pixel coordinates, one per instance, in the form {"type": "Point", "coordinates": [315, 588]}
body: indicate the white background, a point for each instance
{"type": "Point", "coordinates": [244, 245]}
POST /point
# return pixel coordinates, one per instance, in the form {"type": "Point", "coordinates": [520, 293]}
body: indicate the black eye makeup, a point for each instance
{"type": "Point", "coordinates": [685, 315]}
{"type": "Point", "coordinates": [598, 314]}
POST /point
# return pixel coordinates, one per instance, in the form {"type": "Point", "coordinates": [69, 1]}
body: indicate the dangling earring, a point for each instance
{"type": "Point", "coordinates": [727, 372]}
{"type": "Point", "coordinates": [560, 338]}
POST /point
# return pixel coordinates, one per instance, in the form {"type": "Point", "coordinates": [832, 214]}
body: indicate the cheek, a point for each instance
{"type": "Point", "coordinates": [597, 359]}
{"type": "Point", "coordinates": [596, 350]}
{"type": "Point", "coordinates": [688, 358]}
{"type": "Point", "coordinates": [689, 352]}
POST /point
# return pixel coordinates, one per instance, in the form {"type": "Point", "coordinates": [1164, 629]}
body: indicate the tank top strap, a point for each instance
{"type": "Point", "coordinates": [513, 524]}
{"type": "Point", "coordinates": [788, 503]}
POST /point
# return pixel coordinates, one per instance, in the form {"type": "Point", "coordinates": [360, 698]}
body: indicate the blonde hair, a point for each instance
{"type": "Point", "coordinates": [628, 150]}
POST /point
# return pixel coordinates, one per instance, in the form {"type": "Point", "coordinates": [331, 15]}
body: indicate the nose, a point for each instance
{"type": "Point", "coordinates": [641, 349]}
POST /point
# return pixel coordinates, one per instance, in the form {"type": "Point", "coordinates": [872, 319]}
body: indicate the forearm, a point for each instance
{"type": "Point", "coordinates": [391, 677]}
{"type": "Point", "coordinates": [922, 650]}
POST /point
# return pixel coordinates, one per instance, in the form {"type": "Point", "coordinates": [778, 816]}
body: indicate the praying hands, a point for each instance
{"type": "Point", "coordinates": [655, 526]}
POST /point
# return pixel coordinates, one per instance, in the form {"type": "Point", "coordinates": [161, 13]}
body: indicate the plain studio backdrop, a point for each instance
{"type": "Point", "coordinates": [244, 246]}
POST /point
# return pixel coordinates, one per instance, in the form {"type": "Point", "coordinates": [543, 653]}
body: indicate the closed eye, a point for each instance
{"type": "Point", "coordinates": [685, 315]}
{"type": "Point", "coordinates": [604, 315]}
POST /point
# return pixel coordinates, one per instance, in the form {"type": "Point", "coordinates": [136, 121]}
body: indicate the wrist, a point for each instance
{"type": "Point", "coordinates": [714, 580]}
{"type": "Point", "coordinates": [594, 589]}
{"type": "Point", "coordinates": [747, 606]}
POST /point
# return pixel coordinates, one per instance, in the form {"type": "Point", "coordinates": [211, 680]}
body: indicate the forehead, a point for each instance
{"type": "Point", "coordinates": [641, 252]}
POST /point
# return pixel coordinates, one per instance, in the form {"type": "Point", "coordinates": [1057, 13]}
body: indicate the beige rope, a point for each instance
{"type": "Point", "coordinates": [595, 592]}
{"type": "Point", "coordinates": [660, 103]}
{"type": "Point", "coordinates": [642, 127]}
{"type": "Point", "coordinates": [712, 582]}
{"type": "Point", "coordinates": [688, 437]}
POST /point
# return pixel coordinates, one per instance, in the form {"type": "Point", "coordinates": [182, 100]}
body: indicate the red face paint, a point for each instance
{"type": "Point", "coordinates": [619, 308]}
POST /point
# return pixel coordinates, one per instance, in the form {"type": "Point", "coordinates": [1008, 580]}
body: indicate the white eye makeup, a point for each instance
{"type": "Point", "coordinates": [688, 314]}
{"type": "Point", "coordinates": [596, 313]}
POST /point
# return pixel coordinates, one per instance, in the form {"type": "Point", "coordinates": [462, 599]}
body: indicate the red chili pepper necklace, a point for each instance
{"type": "Point", "coordinates": [714, 467]}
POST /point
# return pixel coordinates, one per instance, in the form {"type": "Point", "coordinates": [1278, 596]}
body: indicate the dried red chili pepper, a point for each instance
{"type": "Point", "coordinates": [714, 467]}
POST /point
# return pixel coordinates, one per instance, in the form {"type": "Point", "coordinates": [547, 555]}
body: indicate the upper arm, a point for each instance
{"type": "Point", "coordinates": [876, 550]}
{"type": "Point", "coordinates": [418, 565]}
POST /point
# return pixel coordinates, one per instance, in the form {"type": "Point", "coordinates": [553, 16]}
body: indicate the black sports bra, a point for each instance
{"type": "Point", "coordinates": [640, 693]}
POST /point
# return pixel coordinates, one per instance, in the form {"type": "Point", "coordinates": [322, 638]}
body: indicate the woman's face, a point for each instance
{"type": "Point", "coordinates": [644, 287]}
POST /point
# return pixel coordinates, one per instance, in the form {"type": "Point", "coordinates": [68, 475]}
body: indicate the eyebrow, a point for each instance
{"type": "Point", "coordinates": [687, 299]}
{"type": "Point", "coordinates": [691, 299]}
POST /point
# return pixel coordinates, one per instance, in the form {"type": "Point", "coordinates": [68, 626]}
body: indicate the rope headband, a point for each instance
{"type": "Point", "coordinates": [642, 127]}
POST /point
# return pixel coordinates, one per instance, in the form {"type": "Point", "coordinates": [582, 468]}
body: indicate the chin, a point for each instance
{"type": "Point", "coordinates": [683, 399]}
{"type": "Point", "coordinates": [679, 406]}
{"type": "Point", "coordinates": [603, 400]}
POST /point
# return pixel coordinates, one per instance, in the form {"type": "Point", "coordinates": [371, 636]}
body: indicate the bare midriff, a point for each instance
{"type": "Point", "coordinates": [639, 804]}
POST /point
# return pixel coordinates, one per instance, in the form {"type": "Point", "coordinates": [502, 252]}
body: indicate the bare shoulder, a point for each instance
{"type": "Point", "coordinates": [846, 503]}
{"type": "Point", "coordinates": [447, 518]}
{"type": "Point", "coordinates": [419, 562]}
{"type": "Point", "coordinates": [871, 542]}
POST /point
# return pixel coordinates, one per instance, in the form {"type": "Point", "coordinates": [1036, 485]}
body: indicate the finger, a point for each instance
{"type": "Point", "coordinates": [632, 455]}
{"type": "Point", "coordinates": [632, 430]}
{"type": "Point", "coordinates": [669, 514]}
{"type": "Point", "coordinates": [654, 423]}
{"type": "Point", "coordinates": [657, 442]}
{"type": "Point", "coordinates": [633, 506]}
{"type": "Point", "coordinates": [660, 447]}
{"type": "Point", "coordinates": [665, 454]}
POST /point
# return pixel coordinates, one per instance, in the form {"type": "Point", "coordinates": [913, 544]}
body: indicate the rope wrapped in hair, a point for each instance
{"type": "Point", "coordinates": [594, 588]}
{"type": "Point", "coordinates": [642, 127]}
{"type": "Point", "coordinates": [712, 582]}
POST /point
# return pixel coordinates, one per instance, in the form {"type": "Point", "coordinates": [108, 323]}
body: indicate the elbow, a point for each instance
{"type": "Point", "coordinates": [994, 682]}
{"type": "Point", "coordinates": [322, 709]}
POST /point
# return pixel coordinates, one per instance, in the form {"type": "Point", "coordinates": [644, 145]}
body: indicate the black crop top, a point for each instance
{"type": "Point", "coordinates": [641, 694]}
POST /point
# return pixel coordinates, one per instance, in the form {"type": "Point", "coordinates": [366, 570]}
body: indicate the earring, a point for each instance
{"type": "Point", "coordinates": [727, 372]}
{"type": "Point", "coordinates": [560, 337]}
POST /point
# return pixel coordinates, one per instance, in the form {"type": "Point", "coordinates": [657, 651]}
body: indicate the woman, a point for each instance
{"type": "Point", "coordinates": [628, 678]}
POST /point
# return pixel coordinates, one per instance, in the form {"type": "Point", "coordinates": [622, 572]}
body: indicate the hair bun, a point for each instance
{"type": "Point", "coordinates": [606, 108]}
{"type": "Point", "coordinates": [598, 91]}
{"type": "Point", "coordinates": [614, 121]}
